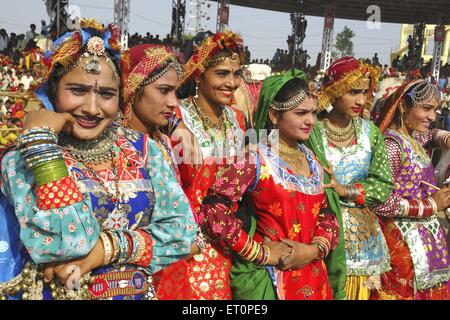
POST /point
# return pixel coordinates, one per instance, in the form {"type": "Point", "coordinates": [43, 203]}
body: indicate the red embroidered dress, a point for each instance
{"type": "Point", "coordinates": [206, 275]}
{"type": "Point", "coordinates": [286, 205]}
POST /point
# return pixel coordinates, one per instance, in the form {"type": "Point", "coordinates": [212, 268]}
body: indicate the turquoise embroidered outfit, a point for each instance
{"type": "Point", "coordinates": [152, 201]}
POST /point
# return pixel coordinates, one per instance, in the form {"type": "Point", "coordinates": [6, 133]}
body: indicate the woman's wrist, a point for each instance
{"type": "Point", "coordinates": [315, 251]}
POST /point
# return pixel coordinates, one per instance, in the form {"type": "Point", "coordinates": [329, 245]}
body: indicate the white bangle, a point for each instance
{"type": "Point", "coordinates": [433, 204]}
{"type": "Point", "coordinates": [420, 213]}
{"type": "Point", "coordinates": [107, 246]}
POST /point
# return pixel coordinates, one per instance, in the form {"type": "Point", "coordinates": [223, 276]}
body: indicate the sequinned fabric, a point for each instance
{"type": "Point", "coordinates": [365, 163]}
{"type": "Point", "coordinates": [286, 206]}
{"type": "Point", "coordinates": [418, 248]}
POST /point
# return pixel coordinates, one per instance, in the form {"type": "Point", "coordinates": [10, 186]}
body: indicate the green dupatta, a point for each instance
{"type": "Point", "coordinates": [249, 281]}
{"type": "Point", "coordinates": [336, 262]}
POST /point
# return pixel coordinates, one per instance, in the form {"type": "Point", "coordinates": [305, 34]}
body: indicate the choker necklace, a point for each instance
{"type": "Point", "coordinates": [336, 134]}
{"type": "Point", "coordinates": [94, 151]}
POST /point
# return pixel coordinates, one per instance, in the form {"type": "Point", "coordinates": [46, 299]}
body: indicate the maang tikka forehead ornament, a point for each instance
{"type": "Point", "coordinates": [95, 48]}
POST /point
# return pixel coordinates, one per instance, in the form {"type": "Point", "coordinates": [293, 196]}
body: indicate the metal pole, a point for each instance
{"type": "Point", "coordinates": [327, 40]}
{"type": "Point", "coordinates": [223, 7]}
{"type": "Point", "coordinates": [121, 18]}
{"type": "Point", "coordinates": [438, 49]}
{"type": "Point", "coordinates": [58, 18]}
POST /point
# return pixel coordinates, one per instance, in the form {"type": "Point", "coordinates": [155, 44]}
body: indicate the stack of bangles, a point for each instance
{"type": "Point", "coordinates": [419, 208]}
{"type": "Point", "coordinates": [254, 252]}
{"type": "Point", "coordinates": [42, 154]}
{"type": "Point", "coordinates": [352, 192]}
{"type": "Point", "coordinates": [323, 250]}
{"type": "Point", "coordinates": [126, 247]}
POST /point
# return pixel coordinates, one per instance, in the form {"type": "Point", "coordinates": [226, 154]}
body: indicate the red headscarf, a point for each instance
{"type": "Point", "coordinates": [138, 64]}
{"type": "Point", "coordinates": [342, 76]}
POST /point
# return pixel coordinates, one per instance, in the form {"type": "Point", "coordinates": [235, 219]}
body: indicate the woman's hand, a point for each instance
{"type": "Point", "coordinates": [302, 254]}
{"type": "Point", "coordinates": [278, 250]}
{"type": "Point", "coordinates": [69, 273]}
{"type": "Point", "coordinates": [195, 249]}
{"type": "Point", "coordinates": [53, 120]}
{"type": "Point", "coordinates": [442, 198]}
{"type": "Point", "coordinates": [334, 184]}
{"type": "Point", "coordinates": [192, 153]}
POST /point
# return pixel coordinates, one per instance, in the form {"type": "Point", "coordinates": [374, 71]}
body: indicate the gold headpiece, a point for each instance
{"type": "Point", "coordinates": [95, 48]}
{"type": "Point", "coordinates": [295, 101]}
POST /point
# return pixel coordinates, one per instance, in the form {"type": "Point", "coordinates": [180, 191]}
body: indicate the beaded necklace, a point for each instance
{"type": "Point", "coordinates": [220, 126]}
{"type": "Point", "coordinates": [94, 151]}
{"type": "Point", "coordinates": [97, 151]}
{"type": "Point", "coordinates": [115, 197]}
{"type": "Point", "coordinates": [417, 147]}
{"type": "Point", "coordinates": [344, 136]}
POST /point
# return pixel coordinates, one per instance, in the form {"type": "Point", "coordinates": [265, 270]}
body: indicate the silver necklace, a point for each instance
{"type": "Point", "coordinates": [94, 151]}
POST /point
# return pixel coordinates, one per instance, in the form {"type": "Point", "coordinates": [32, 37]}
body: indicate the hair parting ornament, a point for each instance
{"type": "Point", "coordinates": [173, 64]}
{"type": "Point", "coordinates": [296, 100]}
{"type": "Point", "coordinates": [422, 93]}
{"type": "Point", "coordinates": [95, 49]}
{"type": "Point", "coordinates": [207, 54]}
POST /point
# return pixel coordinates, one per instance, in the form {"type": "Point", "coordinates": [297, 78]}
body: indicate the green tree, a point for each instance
{"type": "Point", "coordinates": [344, 44]}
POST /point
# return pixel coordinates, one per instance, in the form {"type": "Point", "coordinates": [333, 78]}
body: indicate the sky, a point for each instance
{"type": "Point", "coordinates": [263, 31]}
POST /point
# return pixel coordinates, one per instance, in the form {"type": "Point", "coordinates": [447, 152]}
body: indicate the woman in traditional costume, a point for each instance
{"type": "Point", "coordinates": [354, 150]}
{"type": "Point", "coordinates": [152, 74]}
{"type": "Point", "coordinates": [283, 183]}
{"type": "Point", "coordinates": [99, 208]}
{"type": "Point", "coordinates": [416, 239]}
{"type": "Point", "coordinates": [213, 73]}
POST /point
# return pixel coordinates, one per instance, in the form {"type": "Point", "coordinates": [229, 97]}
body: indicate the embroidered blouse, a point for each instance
{"type": "Point", "coordinates": [152, 201]}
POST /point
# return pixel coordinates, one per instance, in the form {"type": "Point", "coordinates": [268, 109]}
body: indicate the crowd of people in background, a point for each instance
{"type": "Point", "coordinates": [340, 200]}
{"type": "Point", "coordinates": [21, 70]}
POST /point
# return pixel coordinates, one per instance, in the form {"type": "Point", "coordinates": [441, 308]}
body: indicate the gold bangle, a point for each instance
{"type": "Point", "coordinates": [267, 257]}
{"type": "Point", "coordinates": [115, 244]}
{"type": "Point", "coordinates": [245, 245]}
{"type": "Point", "coordinates": [321, 250]}
{"type": "Point", "coordinates": [248, 248]}
{"type": "Point", "coordinates": [107, 246]}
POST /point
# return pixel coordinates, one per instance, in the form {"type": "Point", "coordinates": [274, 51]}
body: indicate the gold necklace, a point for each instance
{"type": "Point", "coordinates": [340, 135]}
{"type": "Point", "coordinates": [417, 147]}
{"type": "Point", "coordinates": [292, 156]}
{"type": "Point", "coordinates": [207, 123]}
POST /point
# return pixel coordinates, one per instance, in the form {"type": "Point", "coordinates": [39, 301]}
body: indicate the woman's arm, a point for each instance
{"type": "Point", "coordinates": [56, 221]}
{"type": "Point", "coordinates": [395, 206]}
{"type": "Point", "coordinates": [172, 227]}
{"type": "Point", "coordinates": [438, 136]}
{"type": "Point", "coordinates": [326, 235]}
{"type": "Point", "coordinates": [378, 184]}
{"type": "Point", "coordinates": [217, 215]}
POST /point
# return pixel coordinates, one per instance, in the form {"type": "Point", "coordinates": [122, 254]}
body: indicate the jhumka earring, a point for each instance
{"type": "Point", "coordinates": [196, 90]}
